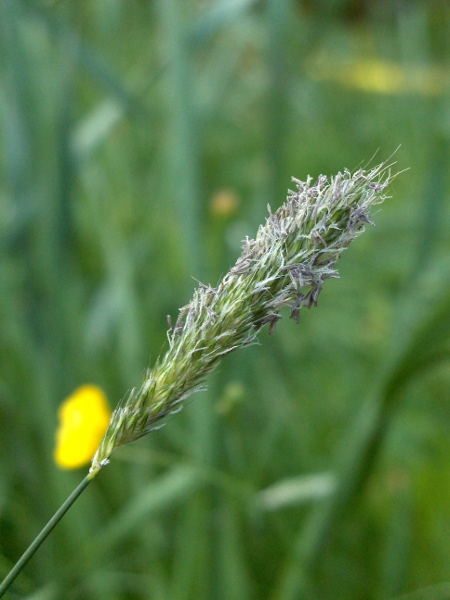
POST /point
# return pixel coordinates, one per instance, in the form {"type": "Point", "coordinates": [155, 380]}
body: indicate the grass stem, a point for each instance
{"type": "Point", "coordinates": [42, 536]}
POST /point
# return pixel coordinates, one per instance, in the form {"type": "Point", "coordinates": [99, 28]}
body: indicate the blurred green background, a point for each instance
{"type": "Point", "coordinates": [141, 142]}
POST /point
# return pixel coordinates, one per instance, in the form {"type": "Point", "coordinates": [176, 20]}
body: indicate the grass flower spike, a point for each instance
{"type": "Point", "coordinates": [293, 254]}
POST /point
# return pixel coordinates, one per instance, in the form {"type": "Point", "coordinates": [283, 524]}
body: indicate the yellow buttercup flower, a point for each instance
{"type": "Point", "coordinates": [84, 417]}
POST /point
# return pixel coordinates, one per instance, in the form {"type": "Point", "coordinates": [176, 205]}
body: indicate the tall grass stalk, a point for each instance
{"type": "Point", "coordinates": [287, 263]}
{"type": "Point", "coordinates": [42, 536]}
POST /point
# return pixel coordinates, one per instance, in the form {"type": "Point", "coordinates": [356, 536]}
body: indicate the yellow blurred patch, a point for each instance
{"type": "Point", "coordinates": [224, 203]}
{"type": "Point", "coordinates": [84, 417]}
{"type": "Point", "coordinates": [382, 77]}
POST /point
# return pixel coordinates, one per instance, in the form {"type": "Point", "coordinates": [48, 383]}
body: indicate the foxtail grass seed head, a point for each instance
{"type": "Point", "coordinates": [293, 254]}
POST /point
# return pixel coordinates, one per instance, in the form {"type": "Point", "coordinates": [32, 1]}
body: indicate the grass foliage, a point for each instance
{"type": "Point", "coordinates": [141, 142]}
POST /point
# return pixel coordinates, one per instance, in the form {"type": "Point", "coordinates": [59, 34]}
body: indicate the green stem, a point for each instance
{"type": "Point", "coordinates": [23, 560]}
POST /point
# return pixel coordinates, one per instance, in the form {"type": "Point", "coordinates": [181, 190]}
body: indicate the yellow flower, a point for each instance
{"type": "Point", "coordinates": [84, 417]}
{"type": "Point", "coordinates": [381, 77]}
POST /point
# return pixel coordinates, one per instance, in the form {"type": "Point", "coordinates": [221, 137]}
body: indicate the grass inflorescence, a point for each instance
{"type": "Point", "coordinates": [287, 263]}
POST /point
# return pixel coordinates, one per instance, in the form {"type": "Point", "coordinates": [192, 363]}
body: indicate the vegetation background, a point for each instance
{"type": "Point", "coordinates": [141, 142]}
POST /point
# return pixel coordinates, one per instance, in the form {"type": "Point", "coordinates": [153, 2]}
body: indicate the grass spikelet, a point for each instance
{"type": "Point", "coordinates": [287, 263]}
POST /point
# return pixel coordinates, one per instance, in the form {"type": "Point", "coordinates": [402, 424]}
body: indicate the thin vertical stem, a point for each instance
{"type": "Point", "coordinates": [42, 536]}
